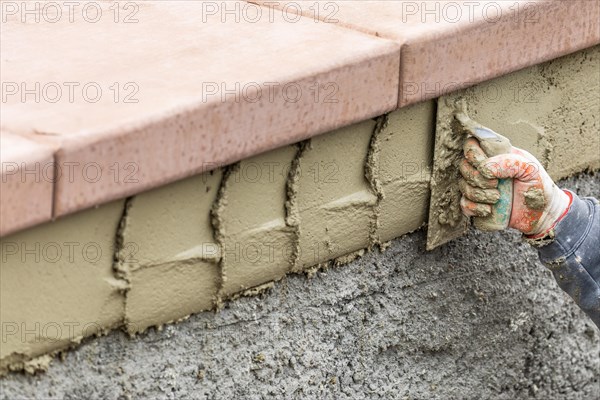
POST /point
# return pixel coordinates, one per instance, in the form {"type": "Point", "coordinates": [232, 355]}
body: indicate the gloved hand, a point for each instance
{"type": "Point", "coordinates": [538, 204]}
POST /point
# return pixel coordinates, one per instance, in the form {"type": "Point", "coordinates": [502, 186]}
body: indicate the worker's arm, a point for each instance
{"type": "Point", "coordinates": [564, 228]}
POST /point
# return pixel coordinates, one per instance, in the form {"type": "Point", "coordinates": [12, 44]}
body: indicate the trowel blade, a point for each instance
{"type": "Point", "coordinates": [446, 221]}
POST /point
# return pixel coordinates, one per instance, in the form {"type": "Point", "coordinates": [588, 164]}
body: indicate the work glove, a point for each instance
{"type": "Point", "coordinates": [538, 204]}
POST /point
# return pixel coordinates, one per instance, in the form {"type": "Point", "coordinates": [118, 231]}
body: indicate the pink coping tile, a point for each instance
{"type": "Point", "coordinates": [448, 45]}
{"type": "Point", "coordinates": [26, 184]}
{"type": "Point", "coordinates": [165, 90]}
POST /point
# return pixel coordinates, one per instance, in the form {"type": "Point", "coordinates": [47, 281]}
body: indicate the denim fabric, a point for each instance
{"type": "Point", "coordinates": [573, 255]}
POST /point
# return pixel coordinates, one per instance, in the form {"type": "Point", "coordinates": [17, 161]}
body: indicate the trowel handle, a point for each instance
{"type": "Point", "coordinates": [494, 144]}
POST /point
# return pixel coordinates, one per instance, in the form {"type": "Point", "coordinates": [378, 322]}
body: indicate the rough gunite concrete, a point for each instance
{"type": "Point", "coordinates": [479, 318]}
{"type": "Point", "coordinates": [57, 286]}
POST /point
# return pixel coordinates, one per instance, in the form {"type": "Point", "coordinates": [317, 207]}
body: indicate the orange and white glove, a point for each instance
{"type": "Point", "coordinates": [538, 204]}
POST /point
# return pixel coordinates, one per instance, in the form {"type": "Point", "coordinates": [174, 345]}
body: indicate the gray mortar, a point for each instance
{"type": "Point", "coordinates": [479, 317]}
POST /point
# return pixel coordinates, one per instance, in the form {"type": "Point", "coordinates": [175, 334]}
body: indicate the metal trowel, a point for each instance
{"type": "Point", "coordinates": [446, 221]}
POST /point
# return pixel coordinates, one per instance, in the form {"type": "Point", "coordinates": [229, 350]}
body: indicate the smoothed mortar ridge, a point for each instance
{"type": "Point", "coordinates": [372, 176]}
{"type": "Point", "coordinates": [120, 269]}
{"type": "Point", "coordinates": [218, 228]}
{"type": "Point", "coordinates": [292, 211]}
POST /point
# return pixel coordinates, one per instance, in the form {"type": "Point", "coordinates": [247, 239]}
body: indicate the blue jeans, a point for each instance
{"type": "Point", "coordinates": [573, 254]}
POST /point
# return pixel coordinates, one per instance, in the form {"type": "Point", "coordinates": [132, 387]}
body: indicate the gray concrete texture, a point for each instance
{"type": "Point", "coordinates": [478, 318]}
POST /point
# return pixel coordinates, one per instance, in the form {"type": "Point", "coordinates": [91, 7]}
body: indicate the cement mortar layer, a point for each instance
{"type": "Point", "coordinates": [551, 110]}
{"type": "Point", "coordinates": [256, 240]}
{"type": "Point", "coordinates": [57, 286]}
{"type": "Point", "coordinates": [186, 247]}
{"type": "Point", "coordinates": [168, 253]}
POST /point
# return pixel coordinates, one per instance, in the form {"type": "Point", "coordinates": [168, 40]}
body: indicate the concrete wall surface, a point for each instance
{"type": "Point", "coordinates": [191, 246]}
{"type": "Point", "coordinates": [479, 318]}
